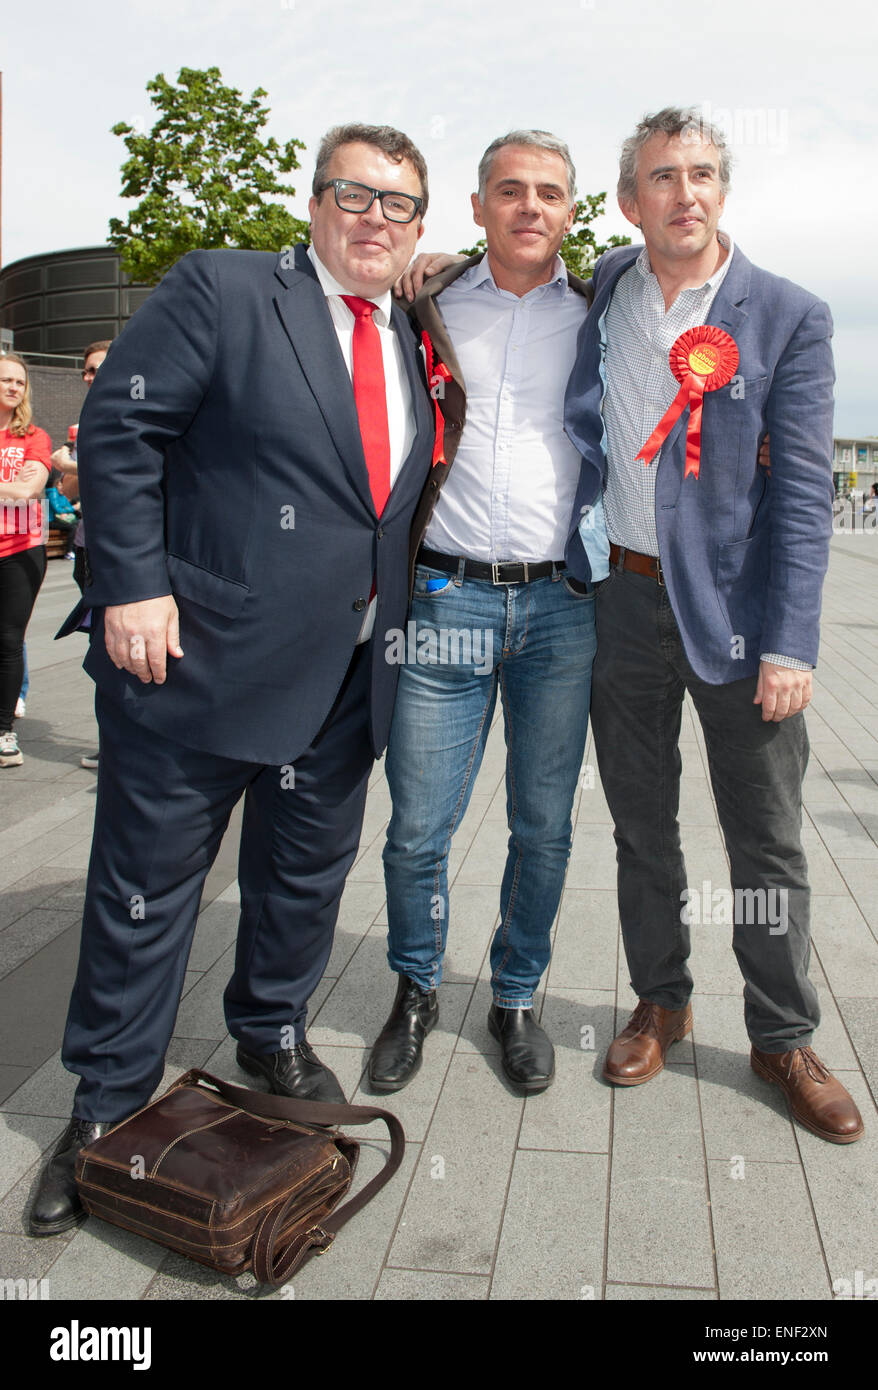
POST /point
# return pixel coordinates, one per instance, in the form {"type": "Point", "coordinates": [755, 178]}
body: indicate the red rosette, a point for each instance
{"type": "Point", "coordinates": [435, 369]}
{"type": "Point", "coordinates": [702, 359]}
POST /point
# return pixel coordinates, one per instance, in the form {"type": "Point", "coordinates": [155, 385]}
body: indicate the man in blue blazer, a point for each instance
{"type": "Point", "coordinates": [715, 589]}
{"type": "Point", "coordinates": [251, 458]}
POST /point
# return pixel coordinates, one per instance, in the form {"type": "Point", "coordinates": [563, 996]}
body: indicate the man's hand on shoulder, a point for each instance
{"type": "Point", "coordinates": [140, 636]}
{"type": "Point", "coordinates": [422, 268]}
{"type": "Point", "coordinates": [781, 691]}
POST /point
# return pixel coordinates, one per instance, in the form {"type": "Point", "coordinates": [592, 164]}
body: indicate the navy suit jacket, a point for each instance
{"type": "Point", "coordinates": [221, 461]}
{"type": "Point", "coordinates": [744, 556]}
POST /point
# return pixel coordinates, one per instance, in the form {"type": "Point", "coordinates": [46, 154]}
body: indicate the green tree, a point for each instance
{"type": "Point", "coordinates": [202, 175]}
{"type": "Point", "coordinates": [579, 249]}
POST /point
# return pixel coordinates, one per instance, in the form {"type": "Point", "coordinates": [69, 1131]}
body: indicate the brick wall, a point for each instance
{"type": "Point", "coordinates": [57, 394]}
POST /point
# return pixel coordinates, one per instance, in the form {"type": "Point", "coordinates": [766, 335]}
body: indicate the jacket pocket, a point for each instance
{"type": "Point", "coordinates": [205, 588]}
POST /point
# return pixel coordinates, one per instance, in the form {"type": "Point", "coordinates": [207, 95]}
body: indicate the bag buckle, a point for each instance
{"type": "Point", "coordinates": [322, 1239]}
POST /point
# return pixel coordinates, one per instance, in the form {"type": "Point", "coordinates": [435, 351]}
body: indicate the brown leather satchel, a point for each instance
{"type": "Point", "coordinates": [233, 1178]}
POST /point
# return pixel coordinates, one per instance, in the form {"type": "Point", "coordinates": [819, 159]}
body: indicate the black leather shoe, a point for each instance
{"type": "Point", "coordinates": [396, 1056]}
{"type": "Point", "coordinates": [528, 1055]}
{"type": "Point", "coordinates": [57, 1207]}
{"type": "Point", "coordinates": [296, 1072]}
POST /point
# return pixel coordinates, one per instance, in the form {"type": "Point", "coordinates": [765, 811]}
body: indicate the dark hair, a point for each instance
{"type": "Point", "coordinates": [389, 141]}
{"type": "Point", "coordinates": [539, 139]}
{"type": "Point", "coordinates": [672, 120]}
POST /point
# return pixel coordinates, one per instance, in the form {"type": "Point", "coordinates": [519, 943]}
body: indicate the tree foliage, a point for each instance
{"type": "Point", "coordinates": [202, 175]}
{"type": "Point", "coordinates": [579, 249]}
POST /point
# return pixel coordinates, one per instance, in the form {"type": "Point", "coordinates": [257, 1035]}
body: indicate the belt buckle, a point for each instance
{"type": "Point", "coordinates": [660, 578]}
{"type": "Point", "coordinates": [321, 1239]}
{"type": "Point", "coordinates": [495, 571]}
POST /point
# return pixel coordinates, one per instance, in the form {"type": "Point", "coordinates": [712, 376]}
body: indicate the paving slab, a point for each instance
{"type": "Point", "coordinates": [767, 1244]}
{"type": "Point", "coordinates": [659, 1223]}
{"type": "Point", "coordinates": [405, 1284]}
{"type": "Point", "coordinates": [552, 1237]}
{"type": "Point", "coordinates": [451, 1220]}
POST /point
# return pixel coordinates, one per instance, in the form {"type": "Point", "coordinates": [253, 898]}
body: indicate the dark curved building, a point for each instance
{"type": "Point", "coordinates": [58, 302]}
{"type": "Point", "coordinates": [53, 306]}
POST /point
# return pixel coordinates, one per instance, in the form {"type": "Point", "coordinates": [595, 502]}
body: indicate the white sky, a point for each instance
{"type": "Point", "coordinates": [794, 81]}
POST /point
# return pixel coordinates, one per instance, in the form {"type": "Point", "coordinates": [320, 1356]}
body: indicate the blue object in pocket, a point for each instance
{"type": "Point", "coordinates": [433, 584]}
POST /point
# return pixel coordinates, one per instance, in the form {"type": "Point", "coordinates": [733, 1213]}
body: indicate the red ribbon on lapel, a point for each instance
{"type": "Point", "coordinates": [702, 359]}
{"type": "Point", "coordinates": [433, 370]}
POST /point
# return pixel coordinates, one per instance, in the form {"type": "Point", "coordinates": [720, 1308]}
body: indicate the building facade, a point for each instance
{"type": "Point", "coordinates": [51, 307]}
{"type": "Point", "coordinates": [855, 463]}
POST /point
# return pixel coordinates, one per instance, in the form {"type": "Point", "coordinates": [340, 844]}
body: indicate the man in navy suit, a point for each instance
{"type": "Point", "coordinates": [251, 458]}
{"type": "Point", "coordinates": [715, 589]}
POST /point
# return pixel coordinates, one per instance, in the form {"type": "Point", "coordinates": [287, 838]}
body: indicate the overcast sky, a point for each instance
{"type": "Point", "coordinates": [794, 84]}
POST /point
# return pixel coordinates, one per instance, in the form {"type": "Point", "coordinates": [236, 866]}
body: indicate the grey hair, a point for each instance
{"type": "Point", "coordinates": [541, 140]}
{"type": "Point", "coordinates": [390, 142]}
{"type": "Point", "coordinates": [686, 121]}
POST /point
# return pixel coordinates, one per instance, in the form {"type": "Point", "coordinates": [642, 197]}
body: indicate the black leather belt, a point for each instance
{"type": "Point", "coordinates": [498, 571]}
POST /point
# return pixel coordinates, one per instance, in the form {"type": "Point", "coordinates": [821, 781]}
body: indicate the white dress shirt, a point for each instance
{"type": "Point", "coordinates": [400, 408]}
{"type": "Point", "coordinates": [510, 493]}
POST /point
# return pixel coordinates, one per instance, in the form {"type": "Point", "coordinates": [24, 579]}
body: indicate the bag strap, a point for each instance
{"type": "Point", "coordinates": [266, 1268]}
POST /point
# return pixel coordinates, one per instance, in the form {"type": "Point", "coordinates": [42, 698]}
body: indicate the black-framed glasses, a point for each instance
{"type": "Point", "coordinates": [359, 197]}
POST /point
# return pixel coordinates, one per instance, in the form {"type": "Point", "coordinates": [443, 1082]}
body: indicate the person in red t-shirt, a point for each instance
{"type": "Point", "coordinates": [25, 463]}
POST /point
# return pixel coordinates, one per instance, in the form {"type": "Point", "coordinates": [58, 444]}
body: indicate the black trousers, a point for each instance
{"type": "Point", "coordinates": [20, 578]}
{"type": "Point", "coordinates": [161, 812]}
{"type": "Point", "coordinates": [756, 768]}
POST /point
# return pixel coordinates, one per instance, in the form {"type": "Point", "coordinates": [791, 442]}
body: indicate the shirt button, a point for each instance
{"type": "Point", "coordinates": [359, 604]}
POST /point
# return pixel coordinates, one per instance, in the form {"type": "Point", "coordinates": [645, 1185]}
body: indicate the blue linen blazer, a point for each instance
{"type": "Point", "coordinates": [744, 555]}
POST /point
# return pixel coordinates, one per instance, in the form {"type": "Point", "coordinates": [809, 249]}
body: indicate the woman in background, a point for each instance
{"type": "Point", "coordinates": [25, 463]}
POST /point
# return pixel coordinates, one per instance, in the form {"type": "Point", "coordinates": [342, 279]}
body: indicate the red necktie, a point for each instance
{"type": "Point", "coordinates": [370, 394]}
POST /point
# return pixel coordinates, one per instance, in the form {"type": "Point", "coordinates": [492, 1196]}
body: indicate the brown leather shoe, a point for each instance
{"type": "Point", "coordinates": [817, 1099]}
{"type": "Point", "coordinates": [638, 1054]}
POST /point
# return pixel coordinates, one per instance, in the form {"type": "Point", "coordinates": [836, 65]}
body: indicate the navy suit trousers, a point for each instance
{"type": "Point", "coordinates": [161, 812]}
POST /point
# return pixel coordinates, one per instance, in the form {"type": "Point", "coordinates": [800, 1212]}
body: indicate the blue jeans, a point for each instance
{"type": "Point", "coordinates": [466, 638]}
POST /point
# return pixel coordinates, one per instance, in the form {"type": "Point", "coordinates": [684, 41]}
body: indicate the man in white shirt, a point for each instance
{"type": "Point", "coordinates": [494, 611]}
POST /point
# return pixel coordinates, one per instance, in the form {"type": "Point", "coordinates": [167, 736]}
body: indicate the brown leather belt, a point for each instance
{"type": "Point", "coordinates": [637, 563]}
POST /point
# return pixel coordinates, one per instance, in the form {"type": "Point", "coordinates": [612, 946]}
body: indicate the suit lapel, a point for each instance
{"type": "Point", "coordinates": [726, 312]}
{"type": "Point", "coordinates": [422, 406]}
{"type": "Point", "coordinates": [301, 305]}
{"type": "Point", "coordinates": [414, 366]}
{"type": "Point", "coordinates": [427, 313]}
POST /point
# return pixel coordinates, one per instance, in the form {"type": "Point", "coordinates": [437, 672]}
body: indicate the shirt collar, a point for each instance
{"type": "Point", "coordinates": [711, 284]}
{"type": "Point", "coordinates": [330, 286]}
{"type": "Point", "coordinates": [481, 274]}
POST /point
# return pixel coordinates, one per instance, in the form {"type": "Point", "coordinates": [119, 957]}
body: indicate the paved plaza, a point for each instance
{"type": "Point", "coordinates": [694, 1186]}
